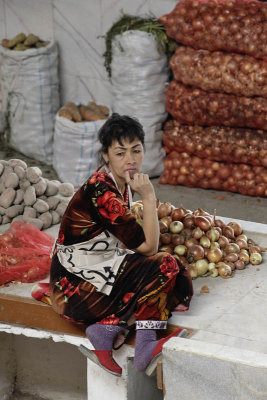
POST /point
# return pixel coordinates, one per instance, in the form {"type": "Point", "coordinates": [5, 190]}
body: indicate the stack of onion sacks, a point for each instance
{"type": "Point", "coordinates": [202, 243]}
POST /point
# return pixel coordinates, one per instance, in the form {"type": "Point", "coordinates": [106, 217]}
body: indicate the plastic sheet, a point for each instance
{"type": "Point", "coordinates": [192, 171]}
{"type": "Point", "coordinates": [24, 253]}
{"type": "Point", "coordinates": [194, 106]}
{"type": "Point", "coordinates": [219, 143]}
{"type": "Point", "coordinates": [222, 72]}
{"type": "Point", "coordinates": [237, 26]}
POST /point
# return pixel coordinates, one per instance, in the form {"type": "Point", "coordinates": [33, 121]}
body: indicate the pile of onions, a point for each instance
{"type": "Point", "coordinates": [194, 106]}
{"type": "Point", "coordinates": [218, 71]}
{"type": "Point", "coordinates": [192, 171]}
{"type": "Point", "coordinates": [234, 26]}
{"type": "Point", "coordinates": [218, 143]}
{"type": "Point", "coordinates": [202, 243]}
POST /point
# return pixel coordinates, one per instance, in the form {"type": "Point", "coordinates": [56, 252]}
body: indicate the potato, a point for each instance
{"type": "Point", "coordinates": [52, 189]}
{"type": "Point", "coordinates": [66, 189]}
{"type": "Point", "coordinates": [29, 212]}
{"type": "Point", "coordinates": [2, 187]}
{"type": "Point", "coordinates": [0, 219]}
{"type": "Point", "coordinates": [12, 180]}
{"type": "Point", "coordinates": [53, 202]}
{"type": "Point", "coordinates": [61, 208]}
{"type": "Point", "coordinates": [2, 210]}
{"type": "Point", "coordinates": [17, 39]}
{"type": "Point", "coordinates": [14, 211]}
{"type": "Point", "coordinates": [63, 112]}
{"type": "Point", "coordinates": [30, 196]}
{"type": "Point", "coordinates": [41, 206]}
{"type": "Point", "coordinates": [5, 42]}
{"type": "Point", "coordinates": [74, 111]}
{"type": "Point", "coordinates": [14, 162]}
{"type": "Point", "coordinates": [31, 40]}
{"type": "Point", "coordinates": [40, 186]}
{"type": "Point", "coordinates": [7, 197]}
{"type": "Point", "coordinates": [46, 218]}
{"type": "Point", "coordinates": [21, 47]}
{"type": "Point", "coordinates": [104, 110]}
{"type": "Point", "coordinates": [42, 43]}
{"type": "Point", "coordinates": [4, 162]}
{"type": "Point", "coordinates": [5, 219]}
{"type": "Point", "coordinates": [20, 171]}
{"type": "Point", "coordinates": [43, 197]}
{"type": "Point", "coordinates": [91, 115]}
{"type": "Point", "coordinates": [55, 217]}
{"type": "Point", "coordinates": [7, 170]}
{"type": "Point", "coordinates": [33, 174]}
{"type": "Point", "coordinates": [35, 222]}
{"type": "Point", "coordinates": [24, 184]}
{"type": "Point", "coordinates": [19, 196]}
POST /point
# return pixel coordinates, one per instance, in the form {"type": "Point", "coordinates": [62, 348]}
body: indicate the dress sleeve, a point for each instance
{"type": "Point", "coordinates": [110, 211]}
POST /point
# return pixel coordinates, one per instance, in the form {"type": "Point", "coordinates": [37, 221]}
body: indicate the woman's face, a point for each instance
{"type": "Point", "coordinates": [127, 156]}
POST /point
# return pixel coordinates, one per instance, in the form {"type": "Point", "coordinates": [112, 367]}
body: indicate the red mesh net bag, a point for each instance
{"type": "Point", "coordinates": [192, 171]}
{"type": "Point", "coordinates": [218, 143]}
{"type": "Point", "coordinates": [194, 106]}
{"type": "Point", "coordinates": [24, 253]}
{"type": "Point", "coordinates": [222, 72]}
{"type": "Point", "coordinates": [238, 26]}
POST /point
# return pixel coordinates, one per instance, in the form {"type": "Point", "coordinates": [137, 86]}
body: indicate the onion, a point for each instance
{"type": "Point", "coordinates": [205, 242]}
{"type": "Point", "coordinates": [177, 239]}
{"type": "Point", "coordinates": [202, 222]}
{"type": "Point", "coordinates": [236, 227]}
{"type": "Point", "coordinates": [228, 231]}
{"type": "Point", "coordinates": [239, 264]}
{"type": "Point", "coordinates": [255, 258]}
{"type": "Point", "coordinates": [214, 245]}
{"type": "Point", "coordinates": [180, 250]}
{"type": "Point", "coordinates": [214, 255]}
{"type": "Point", "coordinates": [194, 253]}
{"type": "Point", "coordinates": [241, 243]}
{"type": "Point", "coordinates": [244, 257]}
{"type": "Point", "coordinates": [232, 248]}
{"type": "Point", "coordinates": [224, 270]}
{"type": "Point", "coordinates": [164, 210]}
{"type": "Point", "coordinates": [197, 233]}
{"type": "Point", "coordinates": [176, 226]}
{"type": "Point", "coordinates": [191, 242]}
{"type": "Point", "coordinates": [223, 241]}
{"type": "Point", "coordinates": [202, 266]}
{"type": "Point", "coordinates": [193, 271]}
{"type": "Point", "coordinates": [167, 220]}
{"type": "Point", "coordinates": [242, 237]}
{"type": "Point", "coordinates": [165, 238]}
{"type": "Point", "coordinates": [163, 227]}
{"type": "Point", "coordinates": [166, 248]}
{"type": "Point", "coordinates": [213, 235]}
{"type": "Point", "coordinates": [232, 257]}
{"type": "Point", "coordinates": [188, 221]}
{"type": "Point", "coordinates": [178, 213]}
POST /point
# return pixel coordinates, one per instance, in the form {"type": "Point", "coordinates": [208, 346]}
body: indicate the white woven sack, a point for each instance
{"type": "Point", "coordinates": [139, 83]}
{"type": "Point", "coordinates": [31, 99]}
{"type": "Point", "coordinates": [76, 148]}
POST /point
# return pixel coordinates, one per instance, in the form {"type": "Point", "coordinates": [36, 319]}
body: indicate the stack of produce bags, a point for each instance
{"type": "Point", "coordinates": [218, 98]}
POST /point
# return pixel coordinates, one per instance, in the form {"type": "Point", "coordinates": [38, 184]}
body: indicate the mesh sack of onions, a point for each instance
{"type": "Point", "coordinates": [203, 244]}
{"type": "Point", "coordinates": [194, 106]}
{"type": "Point", "coordinates": [193, 171]}
{"type": "Point", "coordinates": [218, 143]}
{"type": "Point", "coordinates": [237, 26]}
{"type": "Point", "coordinates": [218, 71]}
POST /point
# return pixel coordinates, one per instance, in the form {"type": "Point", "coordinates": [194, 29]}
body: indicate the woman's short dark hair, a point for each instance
{"type": "Point", "coordinates": [118, 127]}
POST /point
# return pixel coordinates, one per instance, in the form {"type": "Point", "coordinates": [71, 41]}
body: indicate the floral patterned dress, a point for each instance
{"type": "Point", "coordinates": [147, 287]}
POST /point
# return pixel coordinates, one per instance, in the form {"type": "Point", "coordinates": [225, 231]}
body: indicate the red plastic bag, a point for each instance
{"type": "Point", "coordinates": [236, 26]}
{"type": "Point", "coordinates": [24, 253]}
{"type": "Point", "coordinates": [218, 143]}
{"type": "Point", "coordinates": [194, 106]}
{"type": "Point", "coordinates": [221, 72]}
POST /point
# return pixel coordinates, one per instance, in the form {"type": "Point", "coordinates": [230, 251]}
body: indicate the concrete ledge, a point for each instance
{"type": "Point", "coordinates": [208, 371]}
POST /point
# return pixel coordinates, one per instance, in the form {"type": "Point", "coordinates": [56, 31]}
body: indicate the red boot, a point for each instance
{"type": "Point", "coordinates": [151, 368]}
{"type": "Point", "coordinates": [103, 358]}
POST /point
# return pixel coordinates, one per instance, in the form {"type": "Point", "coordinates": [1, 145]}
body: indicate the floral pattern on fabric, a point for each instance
{"type": "Point", "coordinates": [109, 206]}
{"type": "Point", "coordinates": [169, 267]}
{"type": "Point", "coordinates": [111, 320]}
{"type": "Point", "coordinates": [68, 289]}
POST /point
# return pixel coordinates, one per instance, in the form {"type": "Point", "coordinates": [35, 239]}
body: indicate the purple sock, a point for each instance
{"type": "Point", "coordinates": [102, 336]}
{"type": "Point", "coordinates": [145, 343]}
